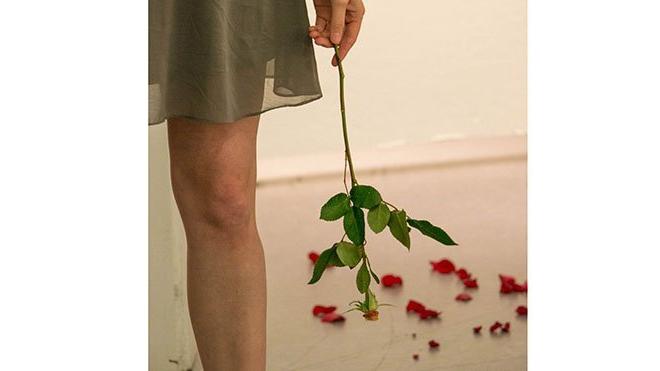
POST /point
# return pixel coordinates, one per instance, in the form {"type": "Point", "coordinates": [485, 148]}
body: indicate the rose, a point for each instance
{"type": "Point", "coordinates": [381, 214]}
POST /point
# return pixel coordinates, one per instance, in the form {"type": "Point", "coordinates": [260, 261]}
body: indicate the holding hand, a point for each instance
{"type": "Point", "coordinates": [337, 22]}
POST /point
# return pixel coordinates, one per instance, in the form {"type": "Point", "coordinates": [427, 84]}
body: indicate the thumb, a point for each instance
{"type": "Point", "coordinates": [337, 20]}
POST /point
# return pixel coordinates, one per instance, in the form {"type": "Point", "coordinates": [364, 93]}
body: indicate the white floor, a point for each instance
{"type": "Point", "coordinates": [481, 204]}
{"type": "Point", "coordinates": [474, 188]}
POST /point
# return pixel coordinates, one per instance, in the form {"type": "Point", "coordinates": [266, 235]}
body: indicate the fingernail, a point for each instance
{"type": "Point", "coordinates": [335, 37]}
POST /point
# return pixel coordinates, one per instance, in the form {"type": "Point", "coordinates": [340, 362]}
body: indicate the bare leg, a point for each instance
{"type": "Point", "coordinates": [213, 177]}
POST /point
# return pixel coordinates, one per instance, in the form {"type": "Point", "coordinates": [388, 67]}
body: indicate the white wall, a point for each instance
{"type": "Point", "coordinates": [420, 71]}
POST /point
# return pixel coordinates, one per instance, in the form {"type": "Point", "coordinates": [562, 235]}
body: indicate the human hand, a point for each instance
{"type": "Point", "coordinates": [337, 22]}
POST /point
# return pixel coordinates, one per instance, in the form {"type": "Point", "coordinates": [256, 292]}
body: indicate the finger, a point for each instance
{"type": "Point", "coordinates": [321, 24]}
{"type": "Point", "coordinates": [313, 32]}
{"type": "Point", "coordinates": [337, 20]}
{"type": "Point", "coordinates": [350, 37]}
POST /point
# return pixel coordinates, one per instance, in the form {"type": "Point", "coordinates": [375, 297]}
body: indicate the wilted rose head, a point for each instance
{"type": "Point", "coordinates": [371, 315]}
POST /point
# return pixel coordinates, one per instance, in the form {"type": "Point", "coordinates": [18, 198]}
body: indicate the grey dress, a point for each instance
{"type": "Point", "coordinates": [222, 60]}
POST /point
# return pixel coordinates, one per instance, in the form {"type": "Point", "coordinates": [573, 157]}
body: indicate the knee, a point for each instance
{"type": "Point", "coordinates": [224, 205]}
{"type": "Point", "coordinates": [227, 208]}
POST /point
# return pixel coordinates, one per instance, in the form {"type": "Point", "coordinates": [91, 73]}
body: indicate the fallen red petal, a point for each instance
{"type": "Point", "coordinates": [462, 274]}
{"type": "Point", "coordinates": [320, 309]}
{"type": "Point", "coordinates": [313, 257]}
{"type": "Point", "coordinates": [477, 330]}
{"type": "Point", "coordinates": [444, 266]}
{"type": "Point", "coordinates": [414, 306]}
{"type": "Point", "coordinates": [508, 285]}
{"type": "Point", "coordinates": [390, 280]}
{"type": "Point", "coordinates": [506, 327]}
{"type": "Point", "coordinates": [471, 283]}
{"type": "Point", "coordinates": [416, 357]}
{"type": "Point", "coordinates": [428, 313]}
{"type": "Point", "coordinates": [332, 317]}
{"type": "Point", "coordinates": [521, 310]}
{"type": "Point", "coordinates": [507, 279]}
{"type": "Point", "coordinates": [433, 344]}
{"type": "Point", "coordinates": [463, 297]}
{"type": "Point", "coordinates": [518, 288]}
{"type": "Point", "coordinates": [506, 288]}
{"type": "Point", "coordinates": [495, 326]}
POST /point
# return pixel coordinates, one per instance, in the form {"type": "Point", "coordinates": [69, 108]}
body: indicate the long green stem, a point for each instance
{"type": "Point", "coordinates": [343, 117]}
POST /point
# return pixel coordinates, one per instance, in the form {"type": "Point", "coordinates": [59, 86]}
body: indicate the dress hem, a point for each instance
{"type": "Point", "coordinates": [207, 120]}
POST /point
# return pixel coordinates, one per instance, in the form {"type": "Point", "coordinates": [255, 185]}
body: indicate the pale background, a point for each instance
{"type": "Point", "coordinates": [424, 83]}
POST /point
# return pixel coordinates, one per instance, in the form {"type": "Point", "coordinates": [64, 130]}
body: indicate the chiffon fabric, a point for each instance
{"type": "Point", "coordinates": [222, 60]}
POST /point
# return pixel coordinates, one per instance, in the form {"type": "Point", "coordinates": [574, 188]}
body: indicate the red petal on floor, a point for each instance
{"type": "Point", "coordinates": [428, 313]}
{"type": "Point", "coordinates": [463, 297]}
{"type": "Point", "coordinates": [463, 274]}
{"type": "Point", "coordinates": [443, 266]}
{"type": "Point", "coordinates": [506, 327]}
{"type": "Point", "coordinates": [507, 279]}
{"type": "Point", "coordinates": [471, 283]}
{"type": "Point", "coordinates": [414, 306]}
{"type": "Point", "coordinates": [320, 309]}
{"type": "Point", "coordinates": [390, 280]}
{"type": "Point", "coordinates": [332, 317]}
{"type": "Point", "coordinates": [521, 310]}
{"type": "Point", "coordinates": [518, 288]}
{"type": "Point", "coordinates": [524, 286]}
{"type": "Point", "coordinates": [477, 329]}
{"type": "Point", "coordinates": [433, 344]}
{"type": "Point", "coordinates": [313, 256]}
{"type": "Point", "coordinates": [416, 357]}
{"type": "Point", "coordinates": [506, 284]}
{"type": "Point", "coordinates": [495, 326]}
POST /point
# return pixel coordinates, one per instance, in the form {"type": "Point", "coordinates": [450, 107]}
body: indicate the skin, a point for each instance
{"type": "Point", "coordinates": [213, 173]}
{"type": "Point", "coordinates": [337, 22]}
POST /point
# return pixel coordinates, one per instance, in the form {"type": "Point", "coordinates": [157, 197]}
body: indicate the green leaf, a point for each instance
{"type": "Point", "coordinates": [334, 260]}
{"type": "Point", "coordinates": [354, 225]}
{"type": "Point", "coordinates": [349, 254]}
{"type": "Point", "coordinates": [365, 196]}
{"type": "Point", "coordinates": [363, 279]}
{"type": "Point", "coordinates": [398, 227]}
{"type": "Point", "coordinates": [335, 207]}
{"type": "Point", "coordinates": [378, 216]}
{"type": "Point", "coordinates": [321, 264]}
{"type": "Point", "coordinates": [432, 231]}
